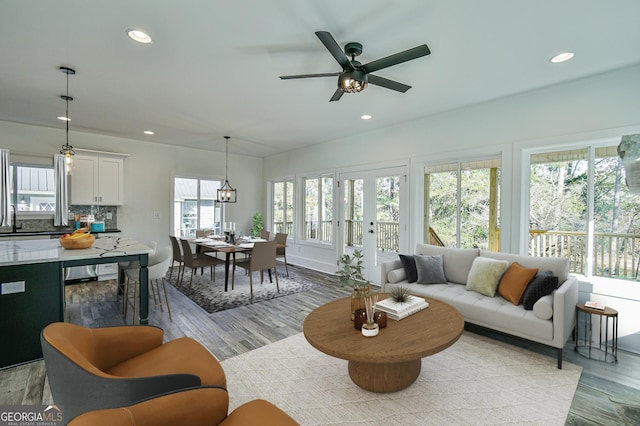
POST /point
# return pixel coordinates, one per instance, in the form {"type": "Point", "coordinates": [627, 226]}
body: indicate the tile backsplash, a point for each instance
{"type": "Point", "coordinates": [99, 212]}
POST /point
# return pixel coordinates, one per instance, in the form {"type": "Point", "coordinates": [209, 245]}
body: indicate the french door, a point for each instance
{"type": "Point", "coordinates": [373, 216]}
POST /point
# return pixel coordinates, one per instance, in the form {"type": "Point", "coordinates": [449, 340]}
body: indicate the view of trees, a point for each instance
{"type": "Point", "coordinates": [474, 206]}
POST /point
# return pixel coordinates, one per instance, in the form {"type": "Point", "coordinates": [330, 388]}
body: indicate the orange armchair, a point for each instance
{"type": "Point", "coordinates": [96, 368]}
{"type": "Point", "coordinates": [205, 406]}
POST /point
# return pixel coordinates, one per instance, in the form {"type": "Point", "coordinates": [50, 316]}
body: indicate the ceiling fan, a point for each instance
{"type": "Point", "coordinates": [355, 76]}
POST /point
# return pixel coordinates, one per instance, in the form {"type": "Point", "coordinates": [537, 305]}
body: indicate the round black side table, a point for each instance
{"type": "Point", "coordinates": [606, 350]}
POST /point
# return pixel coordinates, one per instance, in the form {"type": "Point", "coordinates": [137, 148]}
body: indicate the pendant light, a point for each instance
{"type": "Point", "coordinates": [226, 194]}
{"type": "Point", "coordinates": [67, 150]}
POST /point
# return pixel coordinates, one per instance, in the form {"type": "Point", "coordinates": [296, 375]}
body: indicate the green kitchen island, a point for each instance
{"type": "Point", "coordinates": [32, 287]}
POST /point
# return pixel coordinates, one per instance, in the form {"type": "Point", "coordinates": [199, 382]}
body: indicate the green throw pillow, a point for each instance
{"type": "Point", "coordinates": [485, 274]}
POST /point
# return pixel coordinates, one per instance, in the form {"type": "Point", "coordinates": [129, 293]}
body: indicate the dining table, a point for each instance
{"type": "Point", "coordinates": [216, 245]}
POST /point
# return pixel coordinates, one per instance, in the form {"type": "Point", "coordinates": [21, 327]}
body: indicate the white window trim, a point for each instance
{"type": "Point", "coordinates": [299, 209]}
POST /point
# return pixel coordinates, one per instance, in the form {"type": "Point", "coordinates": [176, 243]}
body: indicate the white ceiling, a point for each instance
{"type": "Point", "coordinates": [213, 67]}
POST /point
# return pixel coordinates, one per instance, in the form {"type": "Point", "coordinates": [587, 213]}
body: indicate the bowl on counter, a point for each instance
{"type": "Point", "coordinates": [83, 242]}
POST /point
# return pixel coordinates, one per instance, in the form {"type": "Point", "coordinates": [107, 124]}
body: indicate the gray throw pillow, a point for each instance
{"type": "Point", "coordinates": [430, 269]}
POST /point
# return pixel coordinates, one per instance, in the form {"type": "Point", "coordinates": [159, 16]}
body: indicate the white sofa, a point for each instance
{"type": "Point", "coordinates": [551, 321]}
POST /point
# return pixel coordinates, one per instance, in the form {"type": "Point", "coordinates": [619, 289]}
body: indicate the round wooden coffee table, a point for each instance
{"type": "Point", "coordinates": [392, 360]}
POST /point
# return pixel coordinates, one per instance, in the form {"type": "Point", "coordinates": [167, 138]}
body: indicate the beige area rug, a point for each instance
{"type": "Point", "coordinates": [477, 381]}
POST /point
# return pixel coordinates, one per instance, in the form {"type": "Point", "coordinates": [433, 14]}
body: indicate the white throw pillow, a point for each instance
{"type": "Point", "coordinates": [543, 308]}
{"type": "Point", "coordinates": [485, 275]}
{"type": "Point", "coordinates": [396, 276]}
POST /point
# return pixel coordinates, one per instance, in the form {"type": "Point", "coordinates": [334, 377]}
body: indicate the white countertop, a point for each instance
{"type": "Point", "coordinates": [41, 251]}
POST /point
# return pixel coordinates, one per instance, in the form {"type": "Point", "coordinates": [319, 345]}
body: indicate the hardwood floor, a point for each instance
{"type": "Point", "coordinates": [607, 393]}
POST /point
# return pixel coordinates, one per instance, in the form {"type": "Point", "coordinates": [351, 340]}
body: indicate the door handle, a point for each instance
{"type": "Point", "coordinates": [371, 231]}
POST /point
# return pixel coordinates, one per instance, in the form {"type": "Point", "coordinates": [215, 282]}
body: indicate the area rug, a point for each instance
{"type": "Point", "coordinates": [477, 381]}
{"type": "Point", "coordinates": [211, 296]}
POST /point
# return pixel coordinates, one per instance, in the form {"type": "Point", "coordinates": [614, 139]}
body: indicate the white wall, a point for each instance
{"type": "Point", "coordinates": [148, 173]}
{"type": "Point", "coordinates": [600, 106]}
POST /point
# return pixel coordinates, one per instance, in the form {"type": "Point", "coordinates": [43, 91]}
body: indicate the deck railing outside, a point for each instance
{"type": "Point", "coordinates": [615, 255]}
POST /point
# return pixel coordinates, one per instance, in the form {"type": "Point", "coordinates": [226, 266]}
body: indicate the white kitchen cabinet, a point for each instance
{"type": "Point", "coordinates": [97, 180]}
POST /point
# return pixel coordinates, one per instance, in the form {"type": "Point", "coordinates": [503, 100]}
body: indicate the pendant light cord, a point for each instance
{"type": "Point", "coordinates": [226, 161]}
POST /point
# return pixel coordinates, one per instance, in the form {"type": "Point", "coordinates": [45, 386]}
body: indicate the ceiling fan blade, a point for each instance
{"type": "Point", "coordinates": [332, 46]}
{"type": "Point", "coordinates": [328, 74]}
{"type": "Point", "coordinates": [388, 84]}
{"type": "Point", "coordinates": [337, 95]}
{"type": "Point", "coordinates": [396, 58]}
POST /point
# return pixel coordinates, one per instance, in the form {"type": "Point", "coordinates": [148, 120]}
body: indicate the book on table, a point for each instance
{"type": "Point", "coordinates": [594, 305]}
{"type": "Point", "coordinates": [398, 311]}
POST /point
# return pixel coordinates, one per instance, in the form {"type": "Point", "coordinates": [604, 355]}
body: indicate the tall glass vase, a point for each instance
{"type": "Point", "coordinates": [357, 298]}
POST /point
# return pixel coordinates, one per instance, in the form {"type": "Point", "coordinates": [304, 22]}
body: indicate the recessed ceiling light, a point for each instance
{"type": "Point", "coordinates": [366, 117]}
{"type": "Point", "coordinates": [149, 132]}
{"type": "Point", "coordinates": [562, 57]}
{"type": "Point", "coordinates": [139, 36]}
{"type": "Point", "coordinates": [63, 118]}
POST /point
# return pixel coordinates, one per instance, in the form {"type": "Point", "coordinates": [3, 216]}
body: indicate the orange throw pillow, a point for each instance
{"type": "Point", "coordinates": [514, 282]}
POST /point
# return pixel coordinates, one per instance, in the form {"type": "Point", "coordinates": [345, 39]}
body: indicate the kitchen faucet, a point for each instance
{"type": "Point", "coordinates": [13, 221]}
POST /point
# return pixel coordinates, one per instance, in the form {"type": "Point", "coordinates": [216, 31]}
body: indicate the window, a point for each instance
{"type": "Point", "coordinates": [318, 209]}
{"type": "Point", "coordinates": [194, 206]}
{"type": "Point", "coordinates": [283, 207]}
{"type": "Point", "coordinates": [561, 204]}
{"type": "Point", "coordinates": [462, 204]}
{"type": "Point", "coordinates": [33, 188]}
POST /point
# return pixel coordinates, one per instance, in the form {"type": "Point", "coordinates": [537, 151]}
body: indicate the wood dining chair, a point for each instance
{"type": "Point", "coordinates": [194, 261]}
{"type": "Point", "coordinates": [281, 249]}
{"type": "Point", "coordinates": [263, 257]}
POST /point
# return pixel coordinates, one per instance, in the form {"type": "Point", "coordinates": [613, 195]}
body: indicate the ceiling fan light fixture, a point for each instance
{"type": "Point", "coordinates": [353, 81]}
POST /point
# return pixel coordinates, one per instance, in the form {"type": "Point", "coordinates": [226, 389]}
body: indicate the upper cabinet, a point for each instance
{"type": "Point", "coordinates": [97, 180]}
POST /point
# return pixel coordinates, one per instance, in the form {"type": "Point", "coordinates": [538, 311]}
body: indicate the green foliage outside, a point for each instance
{"type": "Point", "coordinates": [257, 225]}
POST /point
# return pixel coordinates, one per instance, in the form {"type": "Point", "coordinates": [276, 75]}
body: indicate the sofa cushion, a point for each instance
{"type": "Point", "coordinates": [485, 274]}
{"type": "Point", "coordinates": [543, 308]}
{"type": "Point", "coordinates": [396, 275]}
{"type": "Point", "coordinates": [514, 282]}
{"type": "Point", "coordinates": [409, 265]}
{"type": "Point", "coordinates": [430, 269]}
{"type": "Point", "coordinates": [544, 283]}
{"type": "Point", "coordinates": [456, 262]}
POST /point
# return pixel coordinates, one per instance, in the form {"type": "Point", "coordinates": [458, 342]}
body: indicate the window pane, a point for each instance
{"type": "Point", "coordinates": [478, 223]}
{"type": "Point", "coordinates": [327, 210]}
{"type": "Point", "coordinates": [35, 187]}
{"type": "Point", "coordinates": [209, 211]}
{"type": "Point", "coordinates": [558, 205]}
{"type": "Point", "coordinates": [278, 206]}
{"type": "Point", "coordinates": [617, 230]}
{"type": "Point", "coordinates": [289, 208]}
{"type": "Point", "coordinates": [311, 191]}
{"type": "Point", "coordinates": [194, 206]}
{"type": "Point", "coordinates": [443, 186]}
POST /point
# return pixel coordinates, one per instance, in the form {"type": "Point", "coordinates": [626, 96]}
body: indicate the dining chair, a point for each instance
{"type": "Point", "coordinates": [95, 368]}
{"type": "Point", "coordinates": [177, 257]}
{"type": "Point", "coordinates": [194, 261]}
{"type": "Point", "coordinates": [159, 263]}
{"type": "Point", "coordinates": [265, 234]}
{"type": "Point", "coordinates": [263, 257]}
{"type": "Point", "coordinates": [281, 249]}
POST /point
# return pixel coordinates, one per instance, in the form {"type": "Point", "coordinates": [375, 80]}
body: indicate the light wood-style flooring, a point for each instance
{"type": "Point", "coordinates": [607, 394]}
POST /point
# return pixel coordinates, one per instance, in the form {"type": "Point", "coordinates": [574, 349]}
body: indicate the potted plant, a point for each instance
{"type": "Point", "coordinates": [257, 225]}
{"type": "Point", "coordinates": [350, 274]}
